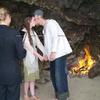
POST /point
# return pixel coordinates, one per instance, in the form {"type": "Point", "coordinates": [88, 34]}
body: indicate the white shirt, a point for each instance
{"type": "Point", "coordinates": [55, 39]}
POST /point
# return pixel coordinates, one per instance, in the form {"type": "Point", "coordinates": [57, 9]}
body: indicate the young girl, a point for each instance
{"type": "Point", "coordinates": [31, 70]}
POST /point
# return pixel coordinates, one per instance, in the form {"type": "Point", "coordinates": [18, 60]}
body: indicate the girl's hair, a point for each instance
{"type": "Point", "coordinates": [27, 26]}
{"type": "Point", "coordinates": [3, 13]}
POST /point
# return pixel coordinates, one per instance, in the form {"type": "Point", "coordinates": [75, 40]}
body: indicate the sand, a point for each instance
{"type": "Point", "coordinates": [80, 89]}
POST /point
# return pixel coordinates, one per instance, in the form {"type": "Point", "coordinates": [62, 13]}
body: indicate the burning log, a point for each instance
{"type": "Point", "coordinates": [84, 63]}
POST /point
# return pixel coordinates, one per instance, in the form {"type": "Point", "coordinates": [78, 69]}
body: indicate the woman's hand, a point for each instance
{"type": "Point", "coordinates": [45, 57]}
{"type": "Point", "coordinates": [38, 55]}
{"type": "Point", "coordinates": [41, 58]}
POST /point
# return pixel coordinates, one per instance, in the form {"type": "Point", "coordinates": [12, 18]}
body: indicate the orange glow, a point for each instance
{"type": "Point", "coordinates": [84, 64]}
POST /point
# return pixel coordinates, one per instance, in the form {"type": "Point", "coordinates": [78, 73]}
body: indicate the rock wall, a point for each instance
{"type": "Point", "coordinates": [80, 19]}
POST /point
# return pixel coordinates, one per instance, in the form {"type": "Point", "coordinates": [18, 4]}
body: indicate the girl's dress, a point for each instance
{"type": "Point", "coordinates": [31, 69]}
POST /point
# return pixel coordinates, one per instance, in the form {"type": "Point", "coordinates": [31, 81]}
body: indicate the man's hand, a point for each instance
{"type": "Point", "coordinates": [52, 56]}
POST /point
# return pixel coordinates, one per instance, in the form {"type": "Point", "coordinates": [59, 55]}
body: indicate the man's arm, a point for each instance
{"type": "Point", "coordinates": [20, 51]}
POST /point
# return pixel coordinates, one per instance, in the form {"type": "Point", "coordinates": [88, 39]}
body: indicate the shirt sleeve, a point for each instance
{"type": "Point", "coordinates": [54, 35]}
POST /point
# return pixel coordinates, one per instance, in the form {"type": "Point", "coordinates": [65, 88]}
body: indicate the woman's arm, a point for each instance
{"type": "Point", "coordinates": [38, 55]}
{"type": "Point", "coordinates": [30, 48]}
{"type": "Point", "coordinates": [39, 44]}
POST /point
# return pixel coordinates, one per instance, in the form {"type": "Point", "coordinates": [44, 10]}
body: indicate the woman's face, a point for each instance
{"type": "Point", "coordinates": [32, 22]}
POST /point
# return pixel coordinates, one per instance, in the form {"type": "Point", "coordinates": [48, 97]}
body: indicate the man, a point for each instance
{"type": "Point", "coordinates": [57, 47]}
{"type": "Point", "coordinates": [11, 51]}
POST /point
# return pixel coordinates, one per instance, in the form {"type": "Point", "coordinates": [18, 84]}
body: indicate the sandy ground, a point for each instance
{"type": "Point", "coordinates": [80, 89]}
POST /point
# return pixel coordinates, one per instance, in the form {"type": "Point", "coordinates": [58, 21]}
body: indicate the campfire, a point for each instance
{"type": "Point", "coordinates": [84, 64]}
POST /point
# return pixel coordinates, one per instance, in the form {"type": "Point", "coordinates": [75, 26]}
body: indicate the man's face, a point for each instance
{"type": "Point", "coordinates": [38, 20]}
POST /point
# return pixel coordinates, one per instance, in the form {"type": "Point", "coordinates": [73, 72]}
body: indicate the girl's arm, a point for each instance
{"type": "Point", "coordinates": [30, 48]}
{"type": "Point", "coordinates": [39, 44]}
{"type": "Point", "coordinates": [38, 55]}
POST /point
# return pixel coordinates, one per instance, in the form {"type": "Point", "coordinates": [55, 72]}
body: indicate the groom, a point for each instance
{"type": "Point", "coordinates": [56, 49]}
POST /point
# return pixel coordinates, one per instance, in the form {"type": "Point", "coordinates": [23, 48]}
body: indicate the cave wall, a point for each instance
{"type": "Point", "coordinates": [76, 17]}
{"type": "Point", "coordinates": [80, 20]}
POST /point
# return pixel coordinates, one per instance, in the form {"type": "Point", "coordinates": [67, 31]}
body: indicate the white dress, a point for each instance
{"type": "Point", "coordinates": [31, 69]}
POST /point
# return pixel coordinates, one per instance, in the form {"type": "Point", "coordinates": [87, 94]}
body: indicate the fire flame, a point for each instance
{"type": "Point", "coordinates": [84, 64]}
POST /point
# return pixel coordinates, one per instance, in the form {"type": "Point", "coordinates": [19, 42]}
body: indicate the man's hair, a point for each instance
{"type": "Point", "coordinates": [38, 12]}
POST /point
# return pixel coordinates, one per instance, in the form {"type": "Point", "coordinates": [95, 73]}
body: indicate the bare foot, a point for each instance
{"type": "Point", "coordinates": [35, 98]}
{"type": "Point", "coordinates": [26, 97]}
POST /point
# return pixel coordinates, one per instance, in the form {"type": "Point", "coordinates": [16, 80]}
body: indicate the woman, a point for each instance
{"type": "Point", "coordinates": [11, 51]}
{"type": "Point", "coordinates": [31, 70]}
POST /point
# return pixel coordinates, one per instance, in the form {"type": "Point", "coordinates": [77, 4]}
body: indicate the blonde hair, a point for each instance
{"type": "Point", "coordinates": [3, 12]}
